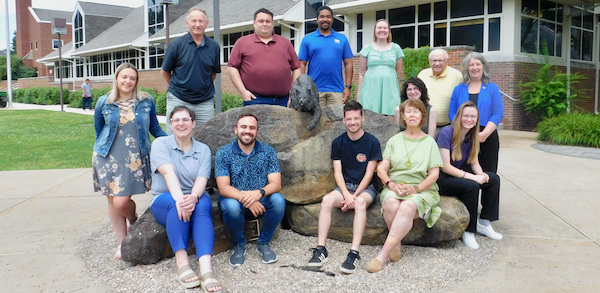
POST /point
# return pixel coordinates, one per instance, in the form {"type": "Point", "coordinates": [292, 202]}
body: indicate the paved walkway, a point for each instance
{"type": "Point", "coordinates": [549, 215]}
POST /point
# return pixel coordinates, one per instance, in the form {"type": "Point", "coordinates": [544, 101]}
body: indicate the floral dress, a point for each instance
{"type": "Point", "coordinates": [124, 171]}
{"type": "Point", "coordinates": [380, 91]}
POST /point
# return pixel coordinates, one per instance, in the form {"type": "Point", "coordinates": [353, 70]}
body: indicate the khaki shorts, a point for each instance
{"type": "Point", "coordinates": [329, 98]}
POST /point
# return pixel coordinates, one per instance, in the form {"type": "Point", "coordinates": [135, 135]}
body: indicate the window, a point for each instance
{"type": "Point", "coordinates": [228, 42]}
{"type": "Point", "coordinates": [55, 43]}
{"type": "Point", "coordinates": [310, 17]}
{"type": "Point", "coordinates": [156, 17]}
{"type": "Point", "coordinates": [455, 22]}
{"type": "Point", "coordinates": [541, 22]}
{"type": "Point", "coordinates": [65, 70]}
{"type": "Point", "coordinates": [78, 31]}
{"type": "Point", "coordinates": [156, 55]}
{"type": "Point", "coordinates": [36, 45]}
{"type": "Point", "coordinates": [359, 32]}
{"type": "Point", "coordinates": [582, 34]}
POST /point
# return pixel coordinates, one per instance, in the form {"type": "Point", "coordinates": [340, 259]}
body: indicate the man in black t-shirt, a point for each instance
{"type": "Point", "coordinates": [355, 154]}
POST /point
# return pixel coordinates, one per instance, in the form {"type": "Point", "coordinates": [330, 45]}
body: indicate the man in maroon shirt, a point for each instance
{"type": "Point", "coordinates": [263, 65]}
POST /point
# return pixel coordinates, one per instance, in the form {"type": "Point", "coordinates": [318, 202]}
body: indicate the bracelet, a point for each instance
{"type": "Point", "coordinates": [465, 174]}
{"type": "Point", "coordinates": [388, 183]}
{"type": "Point", "coordinates": [417, 188]}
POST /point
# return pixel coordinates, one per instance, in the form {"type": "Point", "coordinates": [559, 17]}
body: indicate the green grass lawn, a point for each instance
{"type": "Point", "coordinates": [40, 139]}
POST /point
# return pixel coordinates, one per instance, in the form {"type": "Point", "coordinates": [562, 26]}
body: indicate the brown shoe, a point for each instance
{"type": "Point", "coordinates": [374, 266]}
{"type": "Point", "coordinates": [395, 255]}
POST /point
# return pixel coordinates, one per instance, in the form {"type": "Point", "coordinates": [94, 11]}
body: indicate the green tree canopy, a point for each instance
{"type": "Point", "coordinates": [19, 69]}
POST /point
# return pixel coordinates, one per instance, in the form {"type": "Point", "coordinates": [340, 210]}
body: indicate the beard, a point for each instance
{"type": "Point", "coordinates": [242, 140]}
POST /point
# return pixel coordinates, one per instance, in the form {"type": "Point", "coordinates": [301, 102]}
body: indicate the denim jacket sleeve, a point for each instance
{"type": "Point", "coordinates": [98, 117]}
{"type": "Point", "coordinates": [155, 129]}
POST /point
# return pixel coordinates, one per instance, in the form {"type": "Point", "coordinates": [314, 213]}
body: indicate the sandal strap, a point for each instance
{"type": "Point", "coordinates": [185, 272]}
{"type": "Point", "coordinates": [208, 275]}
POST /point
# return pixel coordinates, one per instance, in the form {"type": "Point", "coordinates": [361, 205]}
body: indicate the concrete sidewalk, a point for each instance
{"type": "Point", "coordinates": [549, 214]}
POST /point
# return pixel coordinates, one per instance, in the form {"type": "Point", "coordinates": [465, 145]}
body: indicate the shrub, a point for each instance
{"type": "Point", "coordinates": [76, 100]}
{"type": "Point", "coordinates": [571, 129]}
{"type": "Point", "coordinates": [230, 101]}
{"type": "Point", "coordinates": [41, 96]}
{"type": "Point", "coordinates": [546, 95]}
{"type": "Point", "coordinates": [415, 60]}
{"type": "Point", "coordinates": [161, 103]}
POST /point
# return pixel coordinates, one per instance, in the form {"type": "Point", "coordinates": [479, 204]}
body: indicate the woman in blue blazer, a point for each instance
{"type": "Point", "coordinates": [479, 89]}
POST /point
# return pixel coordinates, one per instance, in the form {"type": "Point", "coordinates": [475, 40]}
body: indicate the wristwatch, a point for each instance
{"type": "Point", "coordinates": [349, 86]}
{"type": "Point", "coordinates": [262, 191]}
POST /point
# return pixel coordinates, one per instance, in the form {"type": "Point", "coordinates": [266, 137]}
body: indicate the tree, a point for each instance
{"type": "Point", "coordinates": [13, 46]}
{"type": "Point", "coordinates": [19, 69]}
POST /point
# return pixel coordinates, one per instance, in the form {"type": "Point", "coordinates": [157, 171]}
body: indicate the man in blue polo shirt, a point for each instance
{"type": "Point", "coordinates": [248, 178]}
{"type": "Point", "coordinates": [325, 50]}
{"type": "Point", "coordinates": [190, 66]}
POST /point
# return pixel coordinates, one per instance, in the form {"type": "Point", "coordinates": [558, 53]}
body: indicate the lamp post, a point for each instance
{"type": "Point", "coordinates": [167, 3]}
{"type": "Point", "coordinates": [59, 27]}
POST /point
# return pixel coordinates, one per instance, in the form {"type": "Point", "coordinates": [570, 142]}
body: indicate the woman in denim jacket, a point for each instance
{"type": "Point", "coordinates": [121, 161]}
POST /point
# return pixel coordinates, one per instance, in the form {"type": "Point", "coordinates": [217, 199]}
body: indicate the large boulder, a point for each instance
{"type": "Point", "coordinates": [304, 156]}
{"type": "Point", "coordinates": [304, 219]}
{"type": "Point", "coordinates": [147, 242]}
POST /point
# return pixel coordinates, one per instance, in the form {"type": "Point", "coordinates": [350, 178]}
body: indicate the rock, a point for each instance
{"type": "Point", "coordinates": [453, 221]}
{"type": "Point", "coordinates": [147, 242]}
{"type": "Point", "coordinates": [304, 156]}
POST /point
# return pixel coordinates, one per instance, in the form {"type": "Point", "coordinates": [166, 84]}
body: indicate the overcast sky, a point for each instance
{"type": "Point", "coordinates": [66, 5]}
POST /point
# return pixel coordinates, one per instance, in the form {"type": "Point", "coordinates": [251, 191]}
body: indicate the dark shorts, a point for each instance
{"type": "Point", "coordinates": [352, 188]}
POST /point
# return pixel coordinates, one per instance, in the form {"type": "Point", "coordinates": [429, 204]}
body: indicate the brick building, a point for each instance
{"type": "Point", "coordinates": [506, 32]}
{"type": "Point", "coordinates": [34, 34]}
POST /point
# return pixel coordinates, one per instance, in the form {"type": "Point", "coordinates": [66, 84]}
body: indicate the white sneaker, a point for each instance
{"type": "Point", "coordinates": [469, 239]}
{"type": "Point", "coordinates": [488, 231]}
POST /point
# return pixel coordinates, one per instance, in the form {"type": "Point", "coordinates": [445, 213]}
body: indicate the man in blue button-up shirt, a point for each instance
{"type": "Point", "coordinates": [248, 178]}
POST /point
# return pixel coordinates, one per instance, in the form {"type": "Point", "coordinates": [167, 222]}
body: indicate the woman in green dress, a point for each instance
{"type": "Point", "coordinates": [410, 166]}
{"type": "Point", "coordinates": [380, 65]}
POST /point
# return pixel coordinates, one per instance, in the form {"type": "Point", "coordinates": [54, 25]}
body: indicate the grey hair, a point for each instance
{"type": "Point", "coordinates": [439, 50]}
{"type": "Point", "coordinates": [485, 77]}
{"type": "Point", "coordinates": [195, 9]}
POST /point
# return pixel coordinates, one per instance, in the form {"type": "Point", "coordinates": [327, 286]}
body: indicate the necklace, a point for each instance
{"type": "Point", "coordinates": [408, 163]}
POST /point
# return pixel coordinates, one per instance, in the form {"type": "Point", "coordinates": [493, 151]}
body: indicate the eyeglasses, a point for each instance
{"type": "Point", "coordinates": [184, 119]}
{"type": "Point", "coordinates": [438, 60]}
{"type": "Point", "coordinates": [473, 117]}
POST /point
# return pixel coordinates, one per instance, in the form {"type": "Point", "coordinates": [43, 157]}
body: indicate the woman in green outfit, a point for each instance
{"type": "Point", "coordinates": [410, 166]}
{"type": "Point", "coordinates": [380, 65]}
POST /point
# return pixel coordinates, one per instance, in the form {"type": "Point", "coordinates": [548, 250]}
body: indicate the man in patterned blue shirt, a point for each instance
{"type": "Point", "coordinates": [248, 178]}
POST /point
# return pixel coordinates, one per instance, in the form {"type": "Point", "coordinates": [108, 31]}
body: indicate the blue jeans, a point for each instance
{"type": "Point", "coordinates": [86, 101]}
{"type": "Point", "coordinates": [165, 212]}
{"type": "Point", "coordinates": [263, 100]}
{"type": "Point", "coordinates": [235, 214]}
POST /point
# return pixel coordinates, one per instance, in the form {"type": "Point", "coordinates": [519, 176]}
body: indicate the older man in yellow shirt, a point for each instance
{"type": "Point", "coordinates": [440, 80]}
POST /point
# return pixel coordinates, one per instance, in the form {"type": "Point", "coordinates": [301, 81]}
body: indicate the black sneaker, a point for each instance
{"type": "Point", "coordinates": [351, 262]}
{"type": "Point", "coordinates": [319, 256]}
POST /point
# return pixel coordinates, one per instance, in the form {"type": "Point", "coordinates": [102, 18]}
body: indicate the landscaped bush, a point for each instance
{"type": "Point", "coordinates": [571, 129]}
{"type": "Point", "coordinates": [415, 60]}
{"type": "Point", "coordinates": [41, 96]}
{"type": "Point", "coordinates": [546, 95]}
{"type": "Point", "coordinates": [161, 103]}
{"type": "Point", "coordinates": [230, 101]}
{"type": "Point", "coordinates": [76, 100]}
